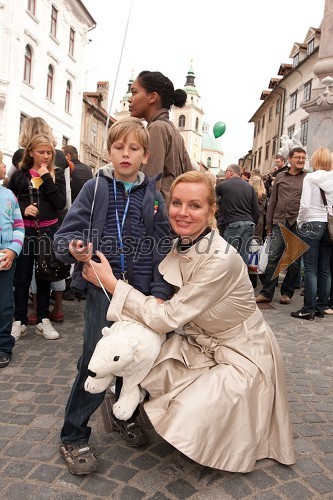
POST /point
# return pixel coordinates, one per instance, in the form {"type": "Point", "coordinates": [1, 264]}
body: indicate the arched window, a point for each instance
{"type": "Point", "coordinates": [68, 96]}
{"type": "Point", "coordinates": [181, 121]}
{"type": "Point", "coordinates": [209, 162]}
{"type": "Point", "coordinates": [27, 64]}
{"type": "Point", "coordinates": [197, 124]}
{"type": "Point", "coordinates": [49, 85]}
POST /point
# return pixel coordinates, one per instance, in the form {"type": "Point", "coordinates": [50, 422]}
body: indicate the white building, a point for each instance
{"type": "Point", "coordinates": [42, 67]}
{"type": "Point", "coordinates": [298, 84]}
{"type": "Point", "coordinates": [282, 111]}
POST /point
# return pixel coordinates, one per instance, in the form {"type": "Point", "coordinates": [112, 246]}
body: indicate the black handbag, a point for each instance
{"type": "Point", "coordinates": [47, 266]}
{"type": "Point", "coordinates": [329, 216]}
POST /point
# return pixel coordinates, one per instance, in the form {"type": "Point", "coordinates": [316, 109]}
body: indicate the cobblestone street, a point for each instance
{"type": "Point", "coordinates": [34, 391]}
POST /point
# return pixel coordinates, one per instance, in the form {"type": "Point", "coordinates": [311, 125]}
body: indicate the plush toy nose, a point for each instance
{"type": "Point", "coordinates": [91, 374]}
{"type": "Point", "coordinates": [116, 358]}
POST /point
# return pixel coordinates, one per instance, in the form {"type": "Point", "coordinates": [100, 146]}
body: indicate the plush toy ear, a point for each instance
{"type": "Point", "coordinates": [133, 343]}
{"type": "Point", "coordinates": [106, 331]}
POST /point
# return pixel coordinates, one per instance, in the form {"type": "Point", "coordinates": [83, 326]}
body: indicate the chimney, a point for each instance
{"type": "Point", "coordinates": [103, 88]}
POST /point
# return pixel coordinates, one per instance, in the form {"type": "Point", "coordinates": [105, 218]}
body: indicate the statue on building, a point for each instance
{"type": "Point", "coordinates": [287, 143]}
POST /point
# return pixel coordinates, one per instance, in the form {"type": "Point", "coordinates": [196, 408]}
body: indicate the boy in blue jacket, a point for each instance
{"type": "Point", "coordinates": [11, 242]}
{"type": "Point", "coordinates": [120, 213]}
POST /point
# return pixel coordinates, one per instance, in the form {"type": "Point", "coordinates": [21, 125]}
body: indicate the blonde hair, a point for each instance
{"type": "Point", "coordinates": [1, 156]}
{"type": "Point", "coordinates": [212, 176]}
{"type": "Point", "coordinates": [321, 159]}
{"type": "Point", "coordinates": [125, 126]}
{"type": "Point", "coordinates": [258, 185]}
{"type": "Point", "coordinates": [35, 126]}
{"type": "Point", "coordinates": [28, 162]}
{"type": "Point", "coordinates": [199, 178]}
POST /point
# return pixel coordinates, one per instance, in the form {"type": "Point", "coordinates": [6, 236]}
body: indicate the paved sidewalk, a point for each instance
{"type": "Point", "coordinates": [35, 386]}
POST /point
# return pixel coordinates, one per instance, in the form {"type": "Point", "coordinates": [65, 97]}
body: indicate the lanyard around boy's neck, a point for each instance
{"type": "Point", "coordinates": [120, 227]}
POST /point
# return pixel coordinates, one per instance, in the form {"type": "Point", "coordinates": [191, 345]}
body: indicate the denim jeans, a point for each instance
{"type": "Point", "coordinates": [7, 341]}
{"type": "Point", "coordinates": [240, 234]}
{"type": "Point", "coordinates": [317, 273]}
{"type": "Point", "coordinates": [81, 404]}
{"type": "Point", "coordinates": [276, 250]}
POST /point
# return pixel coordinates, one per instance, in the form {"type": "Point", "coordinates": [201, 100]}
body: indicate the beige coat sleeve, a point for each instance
{"type": "Point", "coordinates": [210, 283]}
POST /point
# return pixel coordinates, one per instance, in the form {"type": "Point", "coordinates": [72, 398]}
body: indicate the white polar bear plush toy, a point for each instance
{"type": "Point", "coordinates": [127, 349]}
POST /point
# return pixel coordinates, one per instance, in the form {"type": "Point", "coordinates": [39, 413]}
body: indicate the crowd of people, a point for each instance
{"type": "Point", "coordinates": [217, 390]}
{"type": "Point", "coordinates": [299, 202]}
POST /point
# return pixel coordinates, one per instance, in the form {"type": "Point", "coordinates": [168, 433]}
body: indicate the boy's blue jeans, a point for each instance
{"type": "Point", "coordinates": [81, 404]}
{"type": "Point", "coordinates": [7, 341]}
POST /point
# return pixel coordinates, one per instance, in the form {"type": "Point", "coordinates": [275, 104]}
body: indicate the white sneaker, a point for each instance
{"type": "Point", "coordinates": [328, 311]}
{"type": "Point", "coordinates": [46, 329]}
{"type": "Point", "coordinates": [18, 330]}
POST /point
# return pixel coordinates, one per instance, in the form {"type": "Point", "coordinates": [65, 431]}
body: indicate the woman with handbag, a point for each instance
{"type": "Point", "coordinates": [41, 192]}
{"type": "Point", "coordinates": [34, 125]}
{"type": "Point", "coordinates": [258, 185]}
{"type": "Point", "coordinates": [312, 227]}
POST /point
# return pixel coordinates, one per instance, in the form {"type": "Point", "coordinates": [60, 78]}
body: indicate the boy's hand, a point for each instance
{"type": "Point", "coordinates": [7, 260]}
{"type": "Point", "coordinates": [103, 271]}
{"type": "Point", "coordinates": [80, 252]}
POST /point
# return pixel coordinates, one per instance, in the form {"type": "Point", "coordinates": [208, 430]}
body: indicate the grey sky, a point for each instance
{"type": "Point", "coordinates": [236, 48]}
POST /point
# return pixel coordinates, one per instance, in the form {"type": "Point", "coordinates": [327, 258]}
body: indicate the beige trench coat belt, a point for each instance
{"type": "Point", "coordinates": [213, 346]}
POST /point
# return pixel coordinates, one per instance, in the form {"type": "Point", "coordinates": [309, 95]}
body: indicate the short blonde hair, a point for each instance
{"type": "Point", "coordinates": [321, 159]}
{"type": "Point", "coordinates": [199, 178]}
{"type": "Point", "coordinates": [125, 126]}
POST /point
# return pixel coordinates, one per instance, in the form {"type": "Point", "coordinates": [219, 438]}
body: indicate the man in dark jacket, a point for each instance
{"type": "Point", "coordinates": [238, 204]}
{"type": "Point", "coordinates": [80, 172]}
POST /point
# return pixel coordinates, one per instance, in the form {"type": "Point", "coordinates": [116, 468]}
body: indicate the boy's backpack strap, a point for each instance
{"type": "Point", "coordinates": [150, 204]}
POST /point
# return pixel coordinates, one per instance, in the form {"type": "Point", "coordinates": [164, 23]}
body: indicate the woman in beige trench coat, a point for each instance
{"type": "Point", "coordinates": [218, 392]}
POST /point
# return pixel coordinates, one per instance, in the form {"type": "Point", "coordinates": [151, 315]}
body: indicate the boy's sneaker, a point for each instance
{"type": "Point", "coordinates": [4, 361]}
{"type": "Point", "coordinates": [79, 458]}
{"type": "Point", "coordinates": [18, 330]}
{"type": "Point", "coordinates": [46, 329]}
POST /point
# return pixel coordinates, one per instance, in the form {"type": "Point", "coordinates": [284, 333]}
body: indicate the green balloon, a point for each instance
{"type": "Point", "coordinates": [219, 129]}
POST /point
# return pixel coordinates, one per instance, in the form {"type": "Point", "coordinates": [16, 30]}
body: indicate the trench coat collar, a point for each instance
{"type": "Point", "coordinates": [178, 265]}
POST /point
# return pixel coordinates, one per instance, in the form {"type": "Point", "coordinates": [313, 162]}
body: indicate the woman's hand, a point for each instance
{"type": "Point", "coordinates": [103, 271]}
{"type": "Point", "coordinates": [31, 211]}
{"type": "Point", "coordinates": [7, 260]}
{"type": "Point", "coordinates": [80, 252]}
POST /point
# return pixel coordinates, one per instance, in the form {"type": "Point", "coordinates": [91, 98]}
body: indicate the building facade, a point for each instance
{"type": "Point", "coordinates": [94, 126]}
{"type": "Point", "coordinates": [42, 67]}
{"type": "Point", "coordinates": [282, 112]}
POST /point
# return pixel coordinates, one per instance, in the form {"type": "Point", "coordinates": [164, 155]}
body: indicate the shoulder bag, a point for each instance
{"type": "Point", "coordinates": [329, 216]}
{"type": "Point", "coordinates": [47, 266]}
